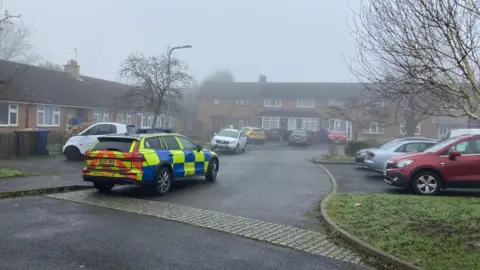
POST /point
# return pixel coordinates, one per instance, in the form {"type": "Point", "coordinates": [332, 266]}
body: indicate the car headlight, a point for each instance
{"type": "Point", "coordinates": [403, 163]}
{"type": "Point", "coordinates": [233, 142]}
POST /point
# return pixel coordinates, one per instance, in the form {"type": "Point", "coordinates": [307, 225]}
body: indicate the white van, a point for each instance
{"type": "Point", "coordinates": [462, 131]}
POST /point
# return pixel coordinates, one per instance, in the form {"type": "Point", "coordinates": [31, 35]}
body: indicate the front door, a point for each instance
{"type": "Point", "coordinates": [462, 169]}
{"type": "Point", "coordinates": [298, 123]}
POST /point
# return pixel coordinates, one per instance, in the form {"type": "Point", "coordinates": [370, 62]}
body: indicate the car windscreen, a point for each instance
{"type": "Point", "coordinates": [440, 145]}
{"type": "Point", "coordinates": [131, 130]}
{"type": "Point", "coordinates": [257, 130]}
{"type": "Point", "coordinates": [113, 144]}
{"type": "Point", "coordinates": [228, 133]}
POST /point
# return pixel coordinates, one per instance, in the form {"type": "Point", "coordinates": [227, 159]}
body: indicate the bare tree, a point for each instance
{"type": "Point", "coordinates": [422, 53]}
{"type": "Point", "coordinates": [152, 88]}
{"type": "Point", "coordinates": [221, 76]}
{"type": "Point", "coordinates": [360, 113]}
{"type": "Point", "coordinates": [49, 65]}
{"type": "Point", "coordinates": [16, 44]}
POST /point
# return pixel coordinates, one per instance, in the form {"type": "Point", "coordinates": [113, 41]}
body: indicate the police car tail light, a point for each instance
{"type": "Point", "coordinates": [136, 155]}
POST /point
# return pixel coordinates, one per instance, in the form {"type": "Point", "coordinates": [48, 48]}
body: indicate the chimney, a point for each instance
{"type": "Point", "coordinates": [72, 67]}
{"type": "Point", "coordinates": [262, 78]}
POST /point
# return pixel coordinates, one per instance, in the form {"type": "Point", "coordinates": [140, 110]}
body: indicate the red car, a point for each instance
{"type": "Point", "coordinates": [452, 163]}
{"type": "Point", "coordinates": [337, 136]}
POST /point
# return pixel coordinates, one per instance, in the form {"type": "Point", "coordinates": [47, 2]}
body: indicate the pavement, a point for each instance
{"type": "Point", "coordinates": [45, 233]}
{"type": "Point", "coordinates": [352, 179]}
{"type": "Point", "coordinates": [266, 194]}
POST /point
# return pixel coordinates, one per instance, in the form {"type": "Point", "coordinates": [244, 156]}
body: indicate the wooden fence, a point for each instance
{"type": "Point", "coordinates": [24, 145]}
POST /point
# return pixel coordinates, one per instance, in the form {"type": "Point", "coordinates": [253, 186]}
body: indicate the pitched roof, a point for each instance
{"type": "Point", "coordinates": [48, 86]}
{"type": "Point", "coordinates": [287, 90]}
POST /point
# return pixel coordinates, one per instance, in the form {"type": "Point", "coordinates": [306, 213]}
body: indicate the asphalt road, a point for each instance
{"type": "Point", "coordinates": [272, 182]}
{"type": "Point", "coordinates": [45, 233]}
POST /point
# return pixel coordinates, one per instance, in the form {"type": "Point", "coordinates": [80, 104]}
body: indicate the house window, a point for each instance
{"type": "Point", "coordinates": [373, 128]}
{"type": "Point", "coordinates": [403, 129]}
{"type": "Point", "coordinates": [311, 124]}
{"type": "Point", "coordinates": [272, 103]}
{"type": "Point", "coordinates": [269, 123]}
{"type": "Point", "coordinates": [216, 101]}
{"type": "Point", "coordinates": [121, 118]}
{"type": "Point", "coordinates": [291, 124]}
{"type": "Point", "coordinates": [8, 114]}
{"type": "Point", "coordinates": [243, 122]}
{"type": "Point", "coordinates": [128, 120]}
{"type": "Point", "coordinates": [305, 103]}
{"type": "Point", "coordinates": [48, 116]}
{"type": "Point", "coordinates": [380, 104]}
{"type": "Point", "coordinates": [100, 116]}
{"type": "Point", "coordinates": [242, 102]}
{"type": "Point", "coordinates": [335, 103]}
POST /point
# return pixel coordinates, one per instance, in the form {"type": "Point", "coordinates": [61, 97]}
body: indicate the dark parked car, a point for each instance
{"type": "Point", "coordinates": [452, 163]}
{"type": "Point", "coordinates": [300, 136]}
{"type": "Point", "coordinates": [153, 130]}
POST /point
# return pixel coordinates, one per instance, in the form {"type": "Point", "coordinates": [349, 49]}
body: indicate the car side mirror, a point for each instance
{"type": "Point", "coordinates": [453, 154]}
{"type": "Point", "coordinates": [199, 147]}
{"type": "Point", "coordinates": [214, 134]}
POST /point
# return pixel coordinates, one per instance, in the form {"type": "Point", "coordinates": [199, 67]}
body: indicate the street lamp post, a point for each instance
{"type": "Point", "coordinates": [169, 59]}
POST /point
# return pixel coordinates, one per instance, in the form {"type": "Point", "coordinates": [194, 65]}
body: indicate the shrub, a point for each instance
{"type": "Point", "coordinates": [352, 147]}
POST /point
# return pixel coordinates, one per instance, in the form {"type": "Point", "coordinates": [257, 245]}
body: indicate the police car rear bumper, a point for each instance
{"type": "Point", "coordinates": [120, 178]}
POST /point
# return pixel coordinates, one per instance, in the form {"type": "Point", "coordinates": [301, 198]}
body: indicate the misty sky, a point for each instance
{"type": "Point", "coordinates": [287, 40]}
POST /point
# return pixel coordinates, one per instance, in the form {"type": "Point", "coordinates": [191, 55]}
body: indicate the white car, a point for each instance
{"type": "Point", "coordinates": [77, 145]}
{"type": "Point", "coordinates": [229, 139]}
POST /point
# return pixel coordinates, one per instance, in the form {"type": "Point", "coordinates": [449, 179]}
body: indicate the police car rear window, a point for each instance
{"type": "Point", "coordinates": [113, 144]}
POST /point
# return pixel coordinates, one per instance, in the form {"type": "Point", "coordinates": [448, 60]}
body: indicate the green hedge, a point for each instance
{"type": "Point", "coordinates": [352, 147]}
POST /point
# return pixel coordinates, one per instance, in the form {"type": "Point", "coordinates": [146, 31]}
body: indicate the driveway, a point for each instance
{"type": "Point", "coordinates": [351, 179]}
{"type": "Point", "coordinates": [57, 234]}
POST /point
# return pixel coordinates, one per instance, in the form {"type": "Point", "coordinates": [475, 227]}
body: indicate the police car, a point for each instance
{"type": "Point", "coordinates": [155, 160]}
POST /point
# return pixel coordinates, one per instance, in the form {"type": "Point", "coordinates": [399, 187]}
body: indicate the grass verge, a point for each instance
{"type": "Point", "coordinates": [333, 158]}
{"type": "Point", "coordinates": [432, 232]}
{"type": "Point", "coordinates": [6, 172]}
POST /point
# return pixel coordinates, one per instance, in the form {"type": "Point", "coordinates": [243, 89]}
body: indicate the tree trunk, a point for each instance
{"type": "Point", "coordinates": [410, 124]}
{"type": "Point", "coordinates": [355, 134]}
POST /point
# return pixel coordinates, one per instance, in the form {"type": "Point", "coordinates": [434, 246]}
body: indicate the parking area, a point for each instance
{"type": "Point", "coordinates": [352, 179]}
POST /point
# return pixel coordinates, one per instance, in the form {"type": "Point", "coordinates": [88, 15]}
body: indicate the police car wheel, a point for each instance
{"type": "Point", "coordinates": [103, 187]}
{"type": "Point", "coordinates": [163, 181]}
{"type": "Point", "coordinates": [212, 170]}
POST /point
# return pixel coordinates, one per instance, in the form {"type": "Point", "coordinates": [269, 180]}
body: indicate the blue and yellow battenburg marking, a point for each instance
{"type": "Point", "coordinates": [184, 163]}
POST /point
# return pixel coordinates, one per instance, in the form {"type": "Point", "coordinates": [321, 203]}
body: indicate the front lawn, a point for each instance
{"type": "Point", "coordinates": [432, 232]}
{"type": "Point", "coordinates": [327, 157]}
{"type": "Point", "coordinates": [5, 172]}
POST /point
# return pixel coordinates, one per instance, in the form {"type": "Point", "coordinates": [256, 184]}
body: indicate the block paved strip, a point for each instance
{"type": "Point", "coordinates": [286, 236]}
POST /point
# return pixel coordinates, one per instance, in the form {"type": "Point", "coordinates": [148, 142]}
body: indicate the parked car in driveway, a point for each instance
{"type": "Point", "coordinates": [300, 136]}
{"type": "Point", "coordinates": [77, 145]}
{"type": "Point", "coordinates": [337, 136]}
{"type": "Point", "coordinates": [376, 158]}
{"type": "Point", "coordinates": [254, 134]}
{"type": "Point", "coordinates": [462, 131]}
{"type": "Point", "coordinates": [452, 163]}
{"type": "Point", "coordinates": [360, 155]}
{"type": "Point", "coordinates": [228, 139]}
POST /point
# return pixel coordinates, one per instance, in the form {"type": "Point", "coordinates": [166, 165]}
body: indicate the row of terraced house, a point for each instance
{"type": "Point", "coordinates": [36, 97]}
{"type": "Point", "coordinates": [275, 105]}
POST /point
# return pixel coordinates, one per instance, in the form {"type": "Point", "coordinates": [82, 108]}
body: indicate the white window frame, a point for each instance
{"type": "Point", "coordinates": [55, 112]}
{"type": "Point", "coordinates": [377, 129]}
{"type": "Point", "coordinates": [216, 101]}
{"type": "Point", "coordinates": [128, 118]}
{"type": "Point", "coordinates": [242, 102]}
{"type": "Point", "coordinates": [106, 116]}
{"type": "Point", "coordinates": [121, 118]}
{"type": "Point", "coordinates": [335, 103]}
{"type": "Point", "coordinates": [380, 104]}
{"type": "Point", "coordinates": [310, 124]}
{"type": "Point", "coordinates": [305, 103]}
{"type": "Point", "coordinates": [270, 121]}
{"type": "Point", "coordinates": [272, 103]}
{"type": "Point", "coordinates": [403, 129]}
{"type": "Point", "coordinates": [12, 108]}
{"type": "Point", "coordinates": [292, 122]}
